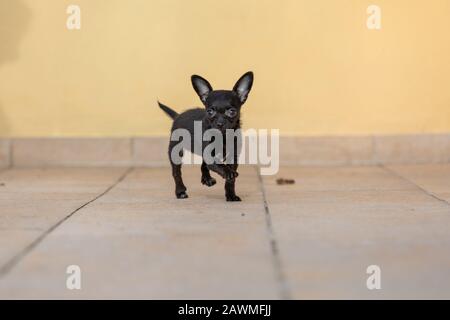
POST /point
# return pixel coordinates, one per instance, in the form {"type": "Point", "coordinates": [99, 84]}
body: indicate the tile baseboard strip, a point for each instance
{"type": "Point", "coordinates": [152, 151]}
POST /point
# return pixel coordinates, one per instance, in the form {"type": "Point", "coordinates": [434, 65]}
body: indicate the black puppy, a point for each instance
{"type": "Point", "coordinates": [222, 112]}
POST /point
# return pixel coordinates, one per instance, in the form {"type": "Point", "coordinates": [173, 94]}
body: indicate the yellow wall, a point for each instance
{"type": "Point", "coordinates": [318, 69]}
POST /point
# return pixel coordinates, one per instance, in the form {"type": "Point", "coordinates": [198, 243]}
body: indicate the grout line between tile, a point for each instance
{"type": "Point", "coordinates": [8, 266]}
{"type": "Point", "coordinates": [10, 155]}
{"type": "Point", "coordinates": [281, 278]}
{"type": "Point", "coordinates": [431, 194]}
{"type": "Point", "coordinates": [132, 150]}
{"type": "Point", "coordinates": [374, 150]}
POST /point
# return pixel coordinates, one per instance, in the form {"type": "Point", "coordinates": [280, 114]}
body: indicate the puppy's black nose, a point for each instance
{"type": "Point", "coordinates": [219, 124]}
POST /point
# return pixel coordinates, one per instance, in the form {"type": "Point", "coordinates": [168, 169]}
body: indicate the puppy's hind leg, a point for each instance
{"type": "Point", "coordinates": [180, 188]}
{"type": "Point", "coordinates": [207, 180]}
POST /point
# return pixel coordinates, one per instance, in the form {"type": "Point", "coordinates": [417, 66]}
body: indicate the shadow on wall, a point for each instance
{"type": "Point", "coordinates": [14, 20]}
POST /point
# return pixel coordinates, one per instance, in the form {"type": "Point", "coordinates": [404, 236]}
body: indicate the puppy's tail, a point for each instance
{"type": "Point", "coordinates": [171, 113]}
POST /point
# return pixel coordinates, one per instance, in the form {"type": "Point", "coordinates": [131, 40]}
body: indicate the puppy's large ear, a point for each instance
{"type": "Point", "coordinates": [201, 86]}
{"type": "Point", "coordinates": [243, 86]}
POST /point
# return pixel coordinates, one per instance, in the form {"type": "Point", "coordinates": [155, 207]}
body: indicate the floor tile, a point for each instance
{"type": "Point", "coordinates": [138, 241]}
{"type": "Point", "coordinates": [33, 200]}
{"type": "Point", "coordinates": [334, 223]}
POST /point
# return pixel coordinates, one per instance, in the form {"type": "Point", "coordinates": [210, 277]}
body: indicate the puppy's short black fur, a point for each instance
{"type": "Point", "coordinates": [222, 112]}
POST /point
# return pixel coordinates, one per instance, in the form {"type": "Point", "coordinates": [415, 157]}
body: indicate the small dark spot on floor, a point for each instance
{"type": "Point", "coordinates": [2, 184]}
{"type": "Point", "coordinates": [283, 181]}
{"type": "Point", "coordinates": [242, 214]}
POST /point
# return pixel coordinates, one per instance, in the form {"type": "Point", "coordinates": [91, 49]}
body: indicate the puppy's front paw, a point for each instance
{"type": "Point", "coordinates": [233, 198]}
{"type": "Point", "coordinates": [182, 195]}
{"type": "Point", "coordinates": [208, 181]}
{"type": "Point", "coordinates": [230, 174]}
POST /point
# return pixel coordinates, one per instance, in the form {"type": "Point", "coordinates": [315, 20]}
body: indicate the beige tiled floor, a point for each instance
{"type": "Point", "coordinates": [313, 239]}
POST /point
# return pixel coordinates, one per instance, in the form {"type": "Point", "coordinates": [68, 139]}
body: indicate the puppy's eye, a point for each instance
{"type": "Point", "coordinates": [211, 112]}
{"type": "Point", "coordinates": [231, 113]}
